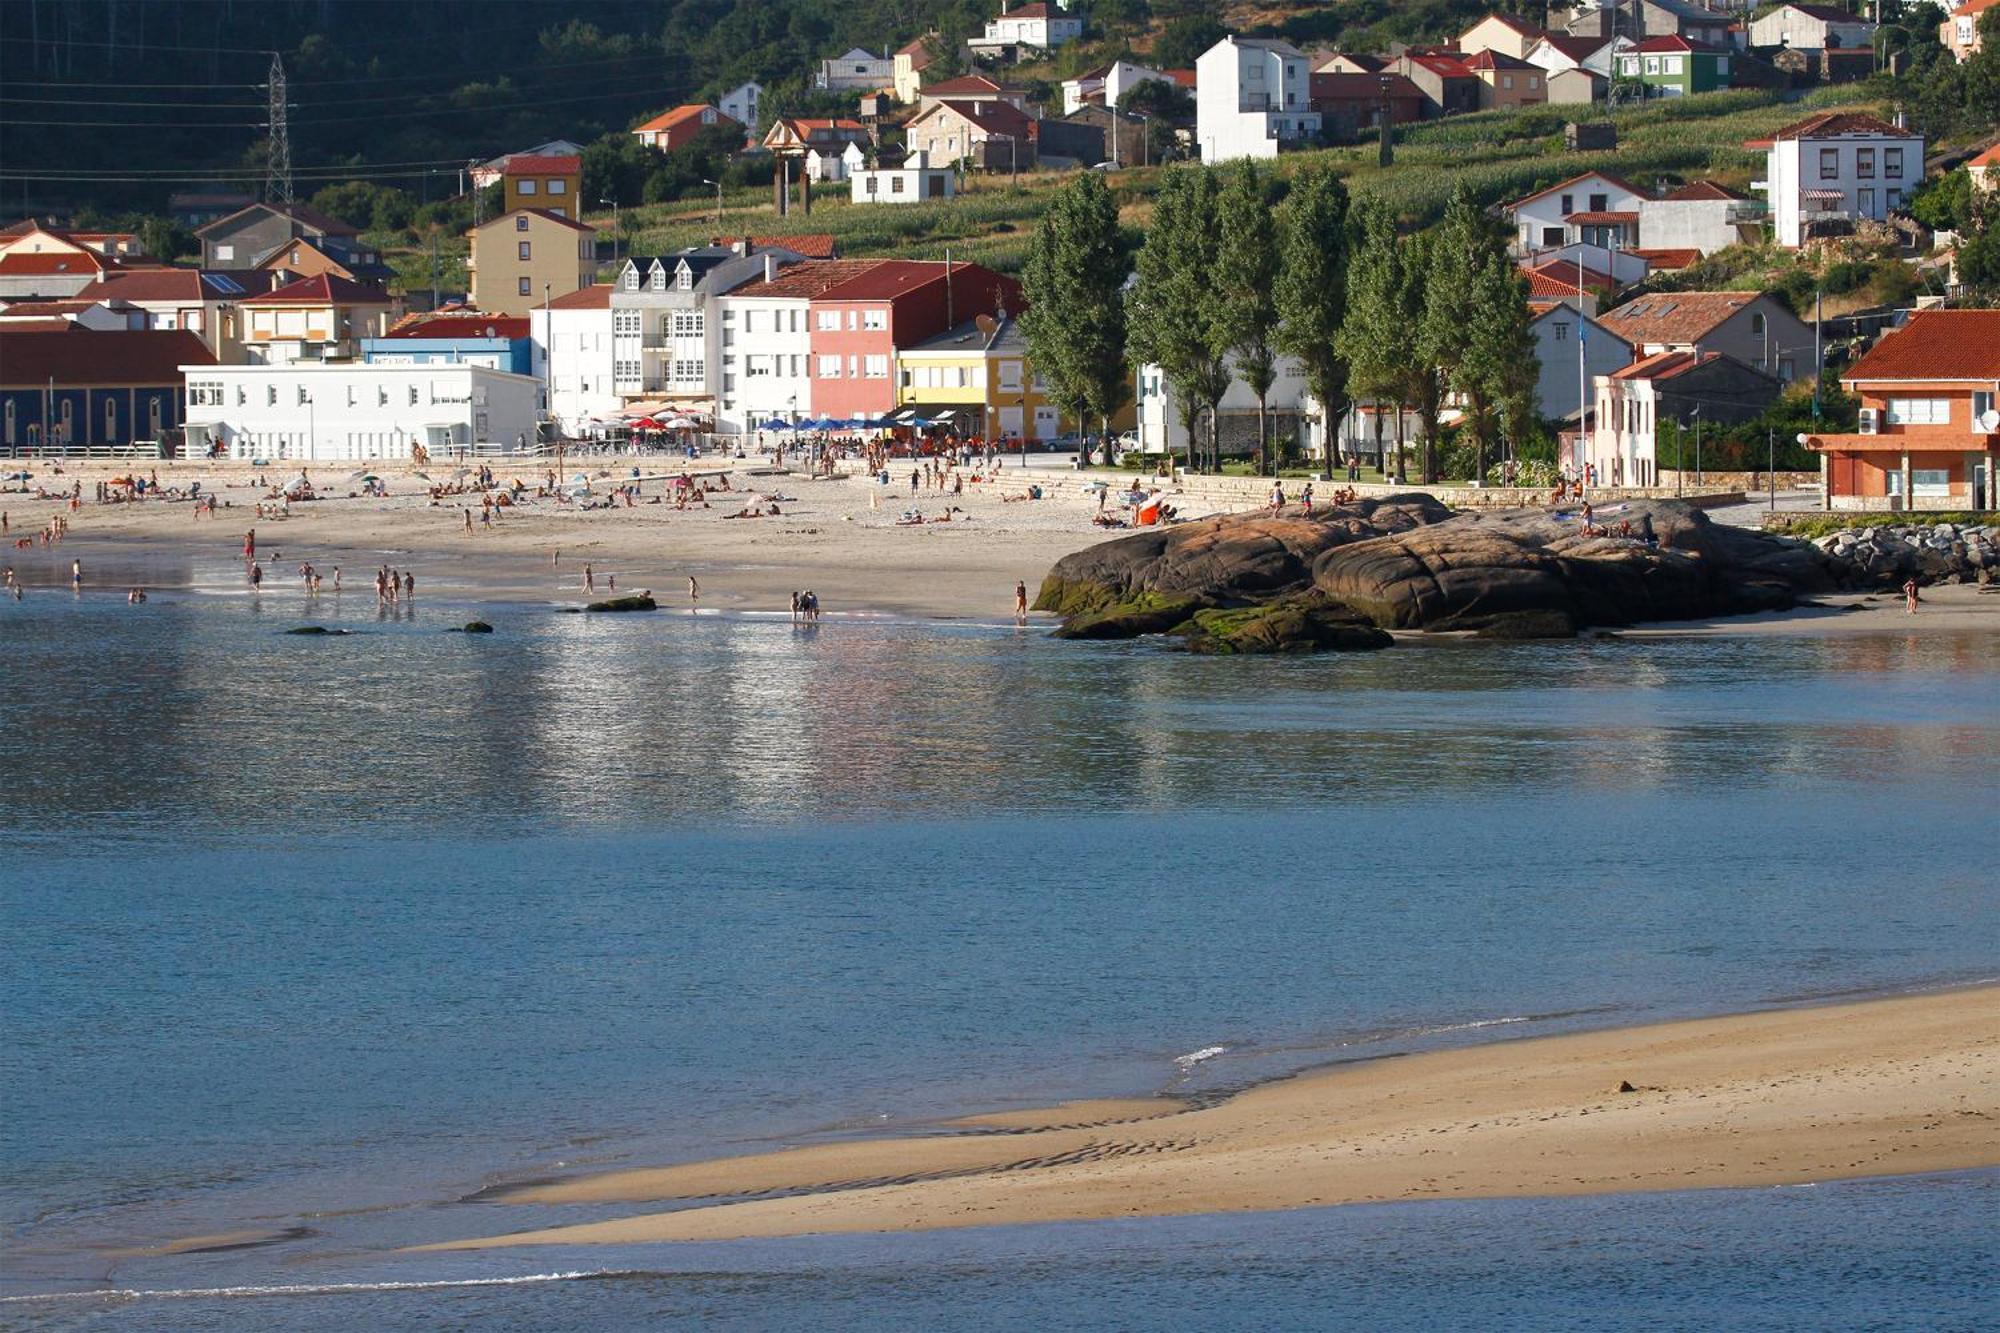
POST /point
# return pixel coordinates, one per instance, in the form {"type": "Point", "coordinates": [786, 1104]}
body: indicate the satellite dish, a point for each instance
{"type": "Point", "coordinates": [1989, 421]}
{"type": "Point", "coordinates": [986, 324]}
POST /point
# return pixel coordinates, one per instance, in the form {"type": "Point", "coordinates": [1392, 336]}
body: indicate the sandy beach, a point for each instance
{"type": "Point", "coordinates": [1881, 1087]}
{"type": "Point", "coordinates": [839, 537]}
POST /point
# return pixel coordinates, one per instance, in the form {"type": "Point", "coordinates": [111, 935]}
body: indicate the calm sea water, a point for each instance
{"type": "Point", "coordinates": [330, 933]}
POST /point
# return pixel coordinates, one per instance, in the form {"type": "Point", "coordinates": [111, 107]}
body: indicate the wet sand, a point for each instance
{"type": "Point", "coordinates": [1881, 1087]}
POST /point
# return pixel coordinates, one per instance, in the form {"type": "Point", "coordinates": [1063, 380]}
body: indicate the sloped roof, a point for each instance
{"type": "Point", "coordinates": [1989, 158]}
{"type": "Point", "coordinates": [41, 263]}
{"type": "Point", "coordinates": [1828, 14]}
{"type": "Point", "coordinates": [1544, 306]}
{"type": "Point", "coordinates": [525, 164]}
{"type": "Point", "coordinates": [1936, 345]}
{"type": "Point", "coordinates": [889, 278]}
{"type": "Point", "coordinates": [1369, 64]}
{"type": "Point", "coordinates": [1601, 217]}
{"type": "Point", "coordinates": [322, 289]}
{"type": "Point", "coordinates": [1497, 60]}
{"type": "Point", "coordinates": [1829, 123]}
{"type": "Point", "coordinates": [1674, 43]}
{"type": "Point", "coordinates": [46, 309]}
{"type": "Point", "coordinates": [460, 324]}
{"type": "Point", "coordinates": [1450, 67]}
{"type": "Point", "coordinates": [310, 218]}
{"type": "Point", "coordinates": [1664, 365]}
{"type": "Point", "coordinates": [597, 296]}
{"type": "Point", "coordinates": [79, 356]}
{"type": "Point", "coordinates": [1360, 87]}
{"type": "Point", "coordinates": [1667, 257]}
{"type": "Point", "coordinates": [814, 277]}
{"type": "Point", "coordinates": [1559, 186]}
{"type": "Point", "coordinates": [680, 115]}
{"type": "Point", "coordinates": [1566, 277]}
{"type": "Point", "coordinates": [542, 213]}
{"type": "Point", "coordinates": [1576, 48]}
{"type": "Point", "coordinates": [1036, 10]}
{"type": "Point", "coordinates": [993, 117]}
{"type": "Point", "coordinates": [1702, 190]}
{"type": "Point", "coordinates": [807, 245]}
{"type": "Point", "coordinates": [164, 284]}
{"type": "Point", "coordinates": [970, 85]}
{"type": "Point", "coordinates": [1678, 317]}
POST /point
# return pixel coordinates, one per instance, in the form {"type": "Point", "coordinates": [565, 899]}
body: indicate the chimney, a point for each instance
{"type": "Point", "coordinates": [770, 268]}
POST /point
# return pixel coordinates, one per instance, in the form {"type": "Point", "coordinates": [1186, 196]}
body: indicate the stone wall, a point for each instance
{"type": "Point", "coordinates": [1230, 494]}
{"type": "Point", "coordinates": [1752, 482]}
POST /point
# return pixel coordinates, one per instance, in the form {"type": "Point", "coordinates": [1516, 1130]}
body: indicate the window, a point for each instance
{"type": "Point", "coordinates": [687, 372]}
{"type": "Point", "coordinates": [352, 394]}
{"type": "Point", "coordinates": [875, 319]}
{"type": "Point", "coordinates": [382, 395]}
{"type": "Point", "coordinates": [1756, 323]}
{"type": "Point", "coordinates": [521, 222]}
{"type": "Point", "coordinates": [1600, 203]}
{"type": "Point", "coordinates": [872, 183]}
{"type": "Point", "coordinates": [829, 368]}
{"type": "Point", "coordinates": [413, 395]}
{"type": "Point", "coordinates": [1552, 236]}
{"type": "Point", "coordinates": [877, 367]}
{"type": "Point", "coordinates": [1864, 163]}
{"type": "Point", "coordinates": [523, 250]}
{"type": "Point", "coordinates": [853, 320]}
{"type": "Point", "coordinates": [1829, 164]}
{"type": "Point", "coordinates": [687, 324]}
{"type": "Point", "coordinates": [1560, 330]}
{"type": "Point", "coordinates": [1670, 64]}
{"type": "Point", "coordinates": [827, 320]}
{"type": "Point", "coordinates": [658, 281]}
{"type": "Point", "coordinates": [1892, 163]}
{"type": "Point", "coordinates": [1652, 64]}
{"type": "Point", "coordinates": [632, 280]}
{"type": "Point", "coordinates": [1507, 81]}
{"type": "Point", "coordinates": [225, 252]}
{"type": "Point", "coordinates": [896, 184]}
{"type": "Point", "coordinates": [626, 322]}
{"type": "Point", "coordinates": [558, 187]}
{"type": "Point", "coordinates": [525, 186]}
{"type": "Point", "coordinates": [684, 278]}
{"type": "Point", "coordinates": [270, 395]}
{"type": "Point", "coordinates": [1864, 203]}
{"type": "Point", "coordinates": [1919, 412]}
{"type": "Point", "coordinates": [1982, 403]}
{"type": "Point", "coordinates": [522, 285]}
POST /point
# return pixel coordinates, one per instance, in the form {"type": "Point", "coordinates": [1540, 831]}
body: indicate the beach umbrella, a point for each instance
{"type": "Point", "coordinates": [646, 423]}
{"type": "Point", "coordinates": [774, 424]}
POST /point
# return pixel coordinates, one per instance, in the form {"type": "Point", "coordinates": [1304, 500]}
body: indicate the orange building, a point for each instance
{"type": "Point", "coordinates": [1930, 431]}
{"type": "Point", "coordinates": [548, 183]}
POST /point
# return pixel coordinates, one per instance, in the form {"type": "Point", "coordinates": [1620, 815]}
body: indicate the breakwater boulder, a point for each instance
{"type": "Point", "coordinates": [1283, 582]}
{"type": "Point", "coordinates": [1888, 555]}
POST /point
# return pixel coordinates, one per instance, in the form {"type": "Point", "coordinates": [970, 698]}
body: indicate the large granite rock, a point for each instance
{"type": "Point", "coordinates": [1406, 562]}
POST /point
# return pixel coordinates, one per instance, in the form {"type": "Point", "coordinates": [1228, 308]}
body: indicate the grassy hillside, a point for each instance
{"type": "Point", "coordinates": [1494, 155]}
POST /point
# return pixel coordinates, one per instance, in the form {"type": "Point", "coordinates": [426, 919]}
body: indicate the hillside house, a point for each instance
{"type": "Point", "coordinates": [1754, 327]}
{"type": "Point", "coordinates": [1675, 66]}
{"type": "Point", "coordinates": [673, 129]}
{"type": "Point", "coordinates": [1829, 171]}
{"type": "Point", "coordinates": [1807, 27]}
{"type": "Point", "coordinates": [1959, 32]}
{"type": "Point", "coordinates": [1037, 26]}
{"type": "Point", "coordinates": [1702, 216]}
{"type": "Point", "coordinates": [1560, 213]}
{"type": "Point", "coordinates": [856, 71]}
{"type": "Point", "coordinates": [1253, 96]}
{"type": "Point", "coordinates": [314, 319]}
{"type": "Point", "coordinates": [1503, 33]}
{"type": "Point", "coordinates": [520, 259]}
{"type": "Point", "coordinates": [1681, 387]}
{"type": "Point", "coordinates": [992, 136]}
{"type": "Point", "coordinates": [1929, 435]}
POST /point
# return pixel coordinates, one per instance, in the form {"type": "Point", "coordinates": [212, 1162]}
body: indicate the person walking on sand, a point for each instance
{"type": "Point", "coordinates": [589, 579]}
{"type": "Point", "coordinates": [694, 591]}
{"type": "Point", "coordinates": [1910, 595]}
{"type": "Point", "coordinates": [1020, 602]}
{"type": "Point", "coordinates": [409, 586]}
{"type": "Point", "coordinates": [468, 520]}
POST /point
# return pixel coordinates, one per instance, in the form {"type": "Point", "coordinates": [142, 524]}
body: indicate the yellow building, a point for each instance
{"type": "Point", "coordinates": [551, 183]}
{"type": "Point", "coordinates": [978, 375]}
{"type": "Point", "coordinates": [529, 255]}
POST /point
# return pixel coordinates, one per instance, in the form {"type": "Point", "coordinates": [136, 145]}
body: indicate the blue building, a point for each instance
{"type": "Point", "coordinates": [79, 388]}
{"type": "Point", "coordinates": [457, 338]}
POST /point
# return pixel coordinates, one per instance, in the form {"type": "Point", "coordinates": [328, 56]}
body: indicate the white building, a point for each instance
{"type": "Point", "coordinates": [572, 349]}
{"type": "Point", "coordinates": [1542, 220]}
{"type": "Point", "coordinates": [767, 343]}
{"type": "Point", "coordinates": [914, 182]}
{"type": "Point", "coordinates": [857, 71]}
{"type": "Point", "coordinates": [1838, 167]}
{"type": "Point", "coordinates": [1573, 350]}
{"type": "Point", "coordinates": [1107, 85]}
{"type": "Point", "coordinates": [832, 165]}
{"type": "Point", "coordinates": [1252, 94]}
{"type": "Point", "coordinates": [666, 342]}
{"type": "Point", "coordinates": [1806, 27]}
{"type": "Point", "coordinates": [1700, 216]}
{"type": "Point", "coordinates": [1290, 412]}
{"type": "Point", "coordinates": [1043, 26]}
{"type": "Point", "coordinates": [742, 103]}
{"type": "Point", "coordinates": [318, 411]}
{"type": "Point", "coordinates": [1558, 53]}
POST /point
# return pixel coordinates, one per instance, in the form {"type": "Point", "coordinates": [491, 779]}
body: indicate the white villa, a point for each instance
{"type": "Point", "coordinates": [325, 411]}
{"type": "Point", "coordinates": [1837, 167]}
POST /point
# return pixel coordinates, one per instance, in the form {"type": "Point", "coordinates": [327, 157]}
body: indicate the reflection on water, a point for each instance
{"type": "Point", "coordinates": [362, 922]}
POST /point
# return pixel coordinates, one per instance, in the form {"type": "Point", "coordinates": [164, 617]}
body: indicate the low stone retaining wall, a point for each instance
{"type": "Point", "coordinates": [1711, 480]}
{"type": "Point", "coordinates": [1237, 493]}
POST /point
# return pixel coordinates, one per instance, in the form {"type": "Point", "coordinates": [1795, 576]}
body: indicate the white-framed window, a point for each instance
{"type": "Point", "coordinates": [558, 187]}
{"type": "Point", "coordinates": [877, 368]}
{"type": "Point", "coordinates": [1670, 64]}
{"type": "Point", "coordinates": [1919, 412]}
{"type": "Point", "coordinates": [1652, 64]}
{"type": "Point", "coordinates": [1892, 163]}
{"type": "Point", "coordinates": [225, 252]}
{"type": "Point", "coordinates": [827, 321]}
{"type": "Point", "coordinates": [829, 368]}
{"type": "Point", "coordinates": [659, 281]}
{"type": "Point", "coordinates": [413, 395]}
{"type": "Point", "coordinates": [875, 320]}
{"type": "Point", "coordinates": [1864, 163]}
{"type": "Point", "coordinates": [525, 186]}
{"type": "Point", "coordinates": [1829, 164]}
{"type": "Point", "coordinates": [1982, 403]}
{"type": "Point", "coordinates": [270, 395]}
{"type": "Point", "coordinates": [1559, 330]}
{"type": "Point", "coordinates": [523, 250]}
{"type": "Point", "coordinates": [684, 278]}
{"type": "Point", "coordinates": [632, 280]}
{"type": "Point", "coordinates": [688, 324]}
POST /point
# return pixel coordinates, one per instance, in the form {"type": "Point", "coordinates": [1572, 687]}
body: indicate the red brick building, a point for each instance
{"type": "Point", "coordinates": [858, 325]}
{"type": "Point", "coordinates": [1930, 436]}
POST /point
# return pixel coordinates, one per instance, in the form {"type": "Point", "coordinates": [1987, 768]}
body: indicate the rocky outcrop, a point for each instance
{"type": "Point", "coordinates": [641, 602]}
{"type": "Point", "coordinates": [1284, 582]}
{"type": "Point", "coordinates": [1890, 555]}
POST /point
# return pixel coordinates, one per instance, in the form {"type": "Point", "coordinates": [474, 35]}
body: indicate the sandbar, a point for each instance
{"type": "Point", "coordinates": [1903, 1085]}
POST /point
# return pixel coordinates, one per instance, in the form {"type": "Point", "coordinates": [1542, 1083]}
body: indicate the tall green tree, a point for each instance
{"type": "Point", "coordinates": [1170, 309]}
{"type": "Point", "coordinates": [1246, 272]}
{"type": "Point", "coordinates": [1073, 281]}
{"type": "Point", "coordinates": [1499, 372]}
{"type": "Point", "coordinates": [1378, 337]}
{"type": "Point", "coordinates": [1457, 252]}
{"type": "Point", "coordinates": [1311, 290]}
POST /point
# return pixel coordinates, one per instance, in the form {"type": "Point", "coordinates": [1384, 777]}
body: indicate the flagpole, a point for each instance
{"type": "Point", "coordinates": [1582, 401]}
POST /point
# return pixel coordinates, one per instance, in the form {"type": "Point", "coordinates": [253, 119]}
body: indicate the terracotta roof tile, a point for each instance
{"type": "Point", "coordinates": [80, 356]}
{"type": "Point", "coordinates": [1566, 277]}
{"type": "Point", "coordinates": [1667, 258]}
{"type": "Point", "coordinates": [1936, 345]}
{"type": "Point", "coordinates": [523, 164]}
{"type": "Point", "coordinates": [597, 296]}
{"type": "Point", "coordinates": [807, 245]}
{"type": "Point", "coordinates": [1677, 317]}
{"type": "Point", "coordinates": [1703, 190]}
{"type": "Point", "coordinates": [322, 289]}
{"type": "Point", "coordinates": [809, 279]}
{"type": "Point", "coordinates": [1604, 176]}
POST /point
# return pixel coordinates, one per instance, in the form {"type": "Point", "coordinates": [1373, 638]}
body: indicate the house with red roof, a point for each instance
{"type": "Point", "coordinates": [1507, 81]}
{"type": "Point", "coordinates": [995, 136]}
{"type": "Point", "coordinates": [1754, 327]}
{"type": "Point", "coordinates": [529, 256]}
{"type": "Point", "coordinates": [767, 357]}
{"type": "Point", "coordinates": [795, 136]}
{"type": "Point", "coordinates": [1825, 174]}
{"type": "Point", "coordinates": [314, 319]}
{"type": "Point", "coordinates": [1351, 105]}
{"type": "Point", "coordinates": [208, 305]}
{"type": "Point", "coordinates": [454, 336]}
{"type": "Point", "coordinates": [1929, 434]}
{"type": "Point", "coordinates": [82, 387]}
{"type": "Point", "coordinates": [1671, 65]}
{"type": "Point", "coordinates": [672, 129]}
{"type": "Point", "coordinates": [1985, 169]}
{"type": "Point", "coordinates": [1677, 386]}
{"type": "Point", "coordinates": [551, 183]}
{"type": "Point", "coordinates": [1449, 87]}
{"type": "Point", "coordinates": [1572, 350]}
{"type": "Point", "coordinates": [1552, 216]}
{"type": "Point", "coordinates": [1571, 282]}
{"type": "Point", "coordinates": [1959, 32]}
{"type": "Point", "coordinates": [858, 325]}
{"type": "Point", "coordinates": [1037, 27]}
{"type": "Point", "coordinates": [47, 274]}
{"type": "Point", "coordinates": [973, 88]}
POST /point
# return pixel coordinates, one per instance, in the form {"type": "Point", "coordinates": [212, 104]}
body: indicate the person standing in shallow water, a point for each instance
{"type": "Point", "coordinates": [1020, 602]}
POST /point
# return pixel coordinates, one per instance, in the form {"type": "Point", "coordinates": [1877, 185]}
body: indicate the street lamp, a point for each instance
{"type": "Point", "coordinates": [718, 200]}
{"type": "Point", "coordinates": [615, 227]}
{"type": "Point", "coordinates": [1145, 138]}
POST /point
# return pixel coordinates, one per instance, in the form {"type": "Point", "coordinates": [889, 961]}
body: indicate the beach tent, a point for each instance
{"type": "Point", "coordinates": [775, 424]}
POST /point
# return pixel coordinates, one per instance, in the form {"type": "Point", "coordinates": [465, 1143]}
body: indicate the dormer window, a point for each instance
{"type": "Point", "coordinates": [659, 283]}
{"type": "Point", "coordinates": [631, 279]}
{"type": "Point", "coordinates": [684, 278]}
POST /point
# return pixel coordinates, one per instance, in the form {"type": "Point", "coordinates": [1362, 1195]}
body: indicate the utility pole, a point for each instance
{"type": "Point", "coordinates": [1387, 151]}
{"type": "Point", "coordinates": [278, 157]}
{"type": "Point", "coordinates": [1819, 350]}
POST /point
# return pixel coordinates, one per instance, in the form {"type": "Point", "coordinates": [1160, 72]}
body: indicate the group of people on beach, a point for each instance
{"type": "Point", "coordinates": [805, 607]}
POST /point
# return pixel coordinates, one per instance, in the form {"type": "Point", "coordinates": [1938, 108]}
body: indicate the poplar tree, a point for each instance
{"type": "Point", "coordinates": [1451, 298]}
{"type": "Point", "coordinates": [1311, 292]}
{"type": "Point", "coordinates": [1378, 336]}
{"type": "Point", "coordinates": [1171, 310]}
{"type": "Point", "coordinates": [1075, 321]}
{"type": "Point", "coordinates": [1246, 274]}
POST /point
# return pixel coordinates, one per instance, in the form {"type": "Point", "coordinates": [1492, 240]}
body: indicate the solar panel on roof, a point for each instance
{"type": "Point", "coordinates": [1662, 311]}
{"type": "Point", "coordinates": [226, 285]}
